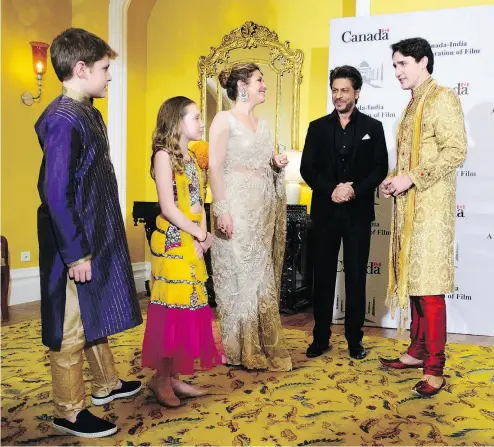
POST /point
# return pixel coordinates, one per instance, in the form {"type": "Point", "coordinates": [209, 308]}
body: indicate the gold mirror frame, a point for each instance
{"type": "Point", "coordinates": [282, 59]}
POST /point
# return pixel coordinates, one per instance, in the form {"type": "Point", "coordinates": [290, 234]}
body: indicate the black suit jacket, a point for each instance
{"type": "Point", "coordinates": [367, 168]}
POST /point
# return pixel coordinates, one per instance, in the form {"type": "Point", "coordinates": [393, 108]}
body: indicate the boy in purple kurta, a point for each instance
{"type": "Point", "coordinates": [87, 285]}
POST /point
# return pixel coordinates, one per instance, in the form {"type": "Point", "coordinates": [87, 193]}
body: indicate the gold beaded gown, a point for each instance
{"type": "Point", "coordinates": [247, 267]}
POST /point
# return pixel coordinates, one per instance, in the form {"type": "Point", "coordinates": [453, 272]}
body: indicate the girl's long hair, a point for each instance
{"type": "Point", "coordinates": [166, 136]}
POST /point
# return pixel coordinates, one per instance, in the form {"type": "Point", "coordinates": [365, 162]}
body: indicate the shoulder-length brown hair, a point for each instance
{"type": "Point", "coordinates": [166, 136]}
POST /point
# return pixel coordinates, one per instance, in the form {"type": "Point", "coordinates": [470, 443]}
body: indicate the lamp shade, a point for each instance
{"type": "Point", "coordinates": [292, 171]}
{"type": "Point", "coordinates": [39, 50]}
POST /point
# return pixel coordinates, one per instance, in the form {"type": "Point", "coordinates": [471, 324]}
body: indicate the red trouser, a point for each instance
{"type": "Point", "coordinates": [428, 332]}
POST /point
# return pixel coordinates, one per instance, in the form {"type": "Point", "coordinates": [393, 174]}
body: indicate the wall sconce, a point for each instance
{"type": "Point", "coordinates": [39, 50]}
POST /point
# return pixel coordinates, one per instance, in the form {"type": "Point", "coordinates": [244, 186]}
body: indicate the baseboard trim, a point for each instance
{"type": "Point", "coordinates": [24, 285]}
{"type": "Point", "coordinates": [140, 270]}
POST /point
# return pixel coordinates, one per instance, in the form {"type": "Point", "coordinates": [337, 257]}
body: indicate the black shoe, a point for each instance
{"type": "Point", "coordinates": [357, 351]}
{"type": "Point", "coordinates": [316, 349]}
{"type": "Point", "coordinates": [128, 389]}
{"type": "Point", "coordinates": [87, 425]}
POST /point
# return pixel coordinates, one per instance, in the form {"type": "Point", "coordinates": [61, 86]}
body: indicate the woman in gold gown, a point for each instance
{"type": "Point", "coordinates": [249, 208]}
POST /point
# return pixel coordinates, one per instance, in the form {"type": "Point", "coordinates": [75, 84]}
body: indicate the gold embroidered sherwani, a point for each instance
{"type": "Point", "coordinates": [440, 147]}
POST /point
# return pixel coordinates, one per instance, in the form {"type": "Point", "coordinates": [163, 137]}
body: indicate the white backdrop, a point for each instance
{"type": "Point", "coordinates": [463, 45]}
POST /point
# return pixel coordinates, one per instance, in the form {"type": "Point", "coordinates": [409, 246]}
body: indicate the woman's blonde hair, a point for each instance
{"type": "Point", "coordinates": [166, 136]}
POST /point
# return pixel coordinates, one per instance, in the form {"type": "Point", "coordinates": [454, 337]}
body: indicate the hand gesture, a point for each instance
{"type": "Point", "coordinates": [198, 248]}
{"type": "Point", "coordinates": [385, 187]}
{"type": "Point", "coordinates": [399, 184]}
{"type": "Point", "coordinates": [343, 193]}
{"type": "Point", "coordinates": [81, 272]}
{"type": "Point", "coordinates": [280, 160]}
{"type": "Point", "coordinates": [224, 223]}
{"type": "Point", "coordinates": [206, 244]}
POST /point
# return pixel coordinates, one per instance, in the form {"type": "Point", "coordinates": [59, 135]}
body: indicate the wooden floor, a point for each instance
{"type": "Point", "coordinates": [31, 311]}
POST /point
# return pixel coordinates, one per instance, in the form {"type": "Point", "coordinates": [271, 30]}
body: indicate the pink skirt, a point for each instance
{"type": "Point", "coordinates": [183, 335]}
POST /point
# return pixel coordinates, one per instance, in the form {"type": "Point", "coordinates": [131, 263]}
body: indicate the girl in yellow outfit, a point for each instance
{"type": "Point", "coordinates": [179, 320]}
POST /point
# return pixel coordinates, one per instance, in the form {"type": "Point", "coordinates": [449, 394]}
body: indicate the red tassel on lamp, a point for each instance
{"type": "Point", "coordinates": [39, 50]}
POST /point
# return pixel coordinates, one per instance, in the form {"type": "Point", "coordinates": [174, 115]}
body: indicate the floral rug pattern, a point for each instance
{"type": "Point", "coordinates": [330, 400]}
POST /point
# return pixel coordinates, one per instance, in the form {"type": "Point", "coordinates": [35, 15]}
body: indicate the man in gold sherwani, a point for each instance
{"type": "Point", "coordinates": [431, 144]}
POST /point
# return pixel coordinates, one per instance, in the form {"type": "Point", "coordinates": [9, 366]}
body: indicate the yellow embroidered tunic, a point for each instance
{"type": "Point", "coordinates": [178, 275]}
{"type": "Point", "coordinates": [436, 114]}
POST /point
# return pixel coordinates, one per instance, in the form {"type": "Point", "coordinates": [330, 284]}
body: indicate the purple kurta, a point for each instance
{"type": "Point", "coordinates": [79, 216]}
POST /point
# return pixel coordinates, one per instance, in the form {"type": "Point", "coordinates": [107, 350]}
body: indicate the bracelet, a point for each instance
{"type": "Point", "coordinates": [204, 240]}
{"type": "Point", "coordinates": [220, 207]}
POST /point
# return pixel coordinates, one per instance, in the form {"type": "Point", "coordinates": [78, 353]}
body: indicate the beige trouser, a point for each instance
{"type": "Point", "coordinates": [67, 364]}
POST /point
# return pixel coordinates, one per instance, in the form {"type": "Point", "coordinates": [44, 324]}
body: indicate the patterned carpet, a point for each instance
{"type": "Point", "coordinates": [330, 400]}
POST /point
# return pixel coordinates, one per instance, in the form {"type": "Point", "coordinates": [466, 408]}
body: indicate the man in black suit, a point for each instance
{"type": "Point", "coordinates": [344, 161]}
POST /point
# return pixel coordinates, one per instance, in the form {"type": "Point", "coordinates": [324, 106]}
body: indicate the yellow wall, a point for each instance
{"type": "Point", "coordinates": [22, 22]}
{"type": "Point", "coordinates": [137, 146]}
{"type": "Point", "coordinates": [93, 16]}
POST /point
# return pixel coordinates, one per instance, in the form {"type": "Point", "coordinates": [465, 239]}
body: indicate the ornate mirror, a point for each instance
{"type": "Point", "coordinates": [281, 66]}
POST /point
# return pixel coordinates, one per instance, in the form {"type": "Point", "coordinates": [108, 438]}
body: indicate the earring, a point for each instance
{"type": "Point", "coordinates": [243, 95]}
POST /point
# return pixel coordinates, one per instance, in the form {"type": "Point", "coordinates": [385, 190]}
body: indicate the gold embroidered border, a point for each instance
{"type": "Point", "coordinates": [79, 261]}
{"type": "Point", "coordinates": [177, 281]}
{"type": "Point", "coordinates": [179, 306]}
{"type": "Point", "coordinates": [166, 256]}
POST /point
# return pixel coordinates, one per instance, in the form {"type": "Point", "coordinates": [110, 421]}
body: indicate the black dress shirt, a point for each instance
{"type": "Point", "coordinates": [343, 143]}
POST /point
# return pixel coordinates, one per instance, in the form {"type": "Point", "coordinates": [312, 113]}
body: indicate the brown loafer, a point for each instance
{"type": "Point", "coordinates": [398, 364]}
{"type": "Point", "coordinates": [425, 389]}
{"type": "Point", "coordinates": [166, 401]}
